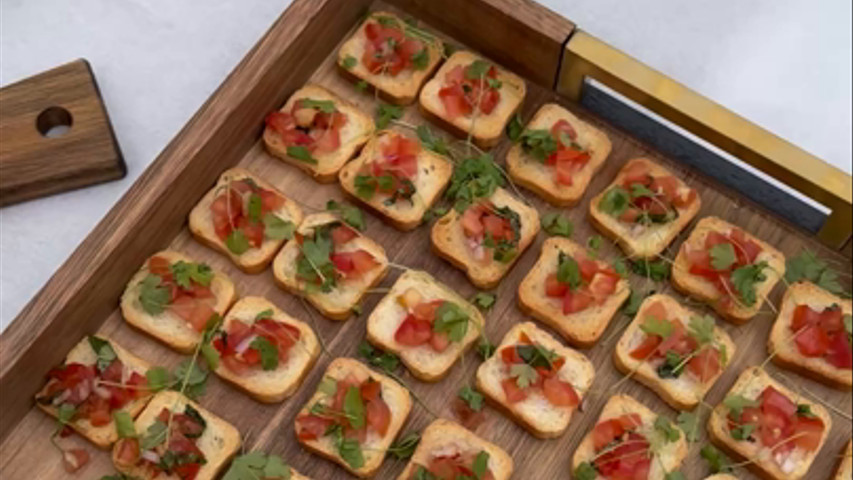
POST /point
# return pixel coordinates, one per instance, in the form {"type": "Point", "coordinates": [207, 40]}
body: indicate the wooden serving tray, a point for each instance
{"type": "Point", "coordinates": [82, 297]}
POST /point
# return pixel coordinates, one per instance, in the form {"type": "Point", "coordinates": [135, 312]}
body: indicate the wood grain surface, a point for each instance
{"type": "Point", "coordinates": [32, 164]}
{"type": "Point", "coordinates": [83, 296]}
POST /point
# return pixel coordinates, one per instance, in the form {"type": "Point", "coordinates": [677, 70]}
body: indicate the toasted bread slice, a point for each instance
{"type": "Point", "coordinates": [83, 353]}
{"type": "Point", "coordinates": [750, 384]}
{"type": "Point", "coordinates": [582, 328]}
{"type": "Point", "coordinates": [686, 391]}
{"type": "Point", "coordinates": [423, 361]}
{"type": "Point", "coordinates": [449, 242]}
{"type": "Point", "coordinates": [637, 240]}
{"type": "Point", "coordinates": [702, 289]}
{"type": "Point", "coordinates": [166, 326]}
{"type": "Point", "coordinates": [254, 260]}
{"type": "Point", "coordinates": [219, 441]}
{"type": "Point", "coordinates": [270, 386]}
{"type": "Point", "coordinates": [434, 172]}
{"type": "Point", "coordinates": [402, 88]}
{"type": "Point", "coordinates": [374, 447]}
{"type": "Point", "coordinates": [535, 413]}
{"type": "Point", "coordinates": [721, 476]}
{"type": "Point", "coordinates": [339, 302]}
{"type": "Point", "coordinates": [781, 342]}
{"type": "Point", "coordinates": [485, 130]}
{"type": "Point", "coordinates": [446, 438]}
{"type": "Point", "coordinates": [669, 455]}
{"type": "Point", "coordinates": [534, 175]}
{"type": "Point", "coordinates": [845, 466]}
{"type": "Point", "coordinates": [357, 130]}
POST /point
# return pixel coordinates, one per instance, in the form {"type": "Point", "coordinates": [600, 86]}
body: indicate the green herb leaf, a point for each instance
{"type": "Point", "coordinates": [420, 60]}
{"type": "Point", "coordinates": [451, 319]}
{"type": "Point", "coordinates": [743, 432]}
{"type": "Point", "coordinates": [405, 447]}
{"type": "Point", "coordinates": [104, 351]}
{"type": "Point", "coordinates": [494, 83]}
{"type": "Point", "coordinates": [484, 300]}
{"type": "Point", "coordinates": [351, 215]}
{"type": "Point", "coordinates": [805, 410]}
{"type": "Point", "coordinates": [196, 378]}
{"type": "Point", "coordinates": [701, 329]}
{"type": "Point", "coordinates": [657, 270]}
{"type": "Point", "coordinates": [471, 397]}
{"type": "Point", "coordinates": [481, 464]}
{"type": "Point", "coordinates": [667, 429]}
{"type": "Point", "coordinates": [557, 225]}
{"type": "Point", "coordinates": [539, 144]}
{"type": "Point", "coordinates": [328, 386]}
{"type": "Point", "coordinates": [615, 201]}
{"type": "Point", "coordinates": [276, 469]}
{"type": "Point", "coordinates": [473, 178]}
{"type": "Point", "coordinates": [354, 407]}
{"type": "Point", "coordinates": [585, 471]}
{"type": "Point", "coordinates": [155, 435]}
{"type": "Point", "coordinates": [674, 475]}
{"type": "Point", "coordinates": [268, 313]}
{"type": "Point", "coordinates": [210, 354]}
{"type": "Point", "coordinates": [594, 244]}
{"type": "Point", "coordinates": [257, 465]}
{"type": "Point", "coordinates": [806, 266]}
{"type": "Point", "coordinates": [568, 271]}
{"type": "Point", "coordinates": [536, 355]}
{"type": "Point", "coordinates": [485, 348]}
{"type": "Point", "coordinates": [736, 404]}
{"type": "Point", "coordinates": [349, 62]}
{"type": "Point", "coordinates": [660, 327]}
{"type": "Point", "coordinates": [277, 229]}
{"type": "Point", "coordinates": [65, 412]}
{"type": "Point", "coordinates": [672, 365]}
{"type": "Point", "coordinates": [745, 278]}
{"type": "Point", "coordinates": [638, 190]}
{"type": "Point", "coordinates": [688, 422]}
{"type": "Point", "coordinates": [477, 69]}
{"type": "Point", "coordinates": [361, 86]}
{"type": "Point", "coordinates": [717, 462]}
{"type": "Point", "coordinates": [432, 142]}
{"type": "Point", "coordinates": [386, 113]}
{"type": "Point", "coordinates": [298, 152]}
{"type": "Point", "coordinates": [158, 378]}
{"type": "Point", "coordinates": [387, 362]}
{"type": "Point", "coordinates": [186, 272]}
{"type": "Point", "coordinates": [236, 242]}
{"type": "Point", "coordinates": [632, 306]}
{"type": "Point", "coordinates": [514, 128]}
{"type": "Point", "coordinates": [723, 256]}
{"type": "Point", "coordinates": [267, 351]}
{"type": "Point", "coordinates": [153, 295]}
{"type": "Point", "coordinates": [524, 374]}
{"type": "Point", "coordinates": [848, 324]}
{"type": "Point", "coordinates": [325, 106]}
{"type": "Point", "coordinates": [255, 207]}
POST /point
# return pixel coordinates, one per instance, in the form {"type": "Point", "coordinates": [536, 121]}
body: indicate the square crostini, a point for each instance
{"type": "Point", "coordinates": [556, 155]}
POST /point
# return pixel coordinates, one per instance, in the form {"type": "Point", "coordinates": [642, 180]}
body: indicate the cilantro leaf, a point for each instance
{"type": "Point", "coordinates": [666, 429]}
{"type": "Point", "coordinates": [632, 306]}
{"type": "Point", "coordinates": [103, 350]}
{"type": "Point", "coordinates": [672, 365]}
{"type": "Point", "coordinates": [267, 351]}
{"type": "Point", "coordinates": [268, 313]}
{"type": "Point", "coordinates": [471, 397]}
{"type": "Point", "coordinates": [255, 207]}
{"type": "Point", "coordinates": [568, 271]}
{"type": "Point", "coordinates": [153, 295]}
{"type": "Point", "coordinates": [717, 462]}
{"type": "Point", "coordinates": [432, 142]}
{"type": "Point", "coordinates": [351, 215]}
{"type": "Point", "coordinates": [674, 475]}
{"type": "Point", "coordinates": [385, 113]}
{"type": "Point", "coordinates": [484, 300]}
{"type": "Point", "coordinates": [805, 410]}
{"type": "Point", "coordinates": [742, 432]}
{"type": "Point", "coordinates": [514, 128]}
{"type": "Point", "coordinates": [325, 106]}
{"type": "Point", "coordinates": [420, 60]}
{"type": "Point", "coordinates": [298, 152]}
{"type": "Point", "coordinates": [524, 374]}
{"type": "Point", "coordinates": [701, 329]}
{"type": "Point", "coordinates": [350, 451]}
{"type": "Point", "coordinates": [65, 413]}
{"type": "Point", "coordinates": [477, 69]}
{"type": "Point", "coordinates": [124, 424]}
{"type": "Point", "coordinates": [158, 378]}
{"type": "Point", "coordinates": [277, 229]}
{"type": "Point", "coordinates": [386, 361]}
{"type": "Point", "coordinates": [236, 242]}
{"type": "Point", "coordinates": [688, 422]}
{"type": "Point", "coordinates": [354, 408]}
{"type": "Point", "coordinates": [736, 403]}
{"type": "Point", "coordinates": [723, 256]}
{"type": "Point", "coordinates": [480, 465]}
{"type": "Point", "coordinates": [594, 244]}
{"type": "Point", "coordinates": [557, 225]}
{"type": "Point", "coordinates": [349, 62]}
{"type": "Point", "coordinates": [255, 465]}
{"type": "Point", "coordinates": [328, 386]}
{"type": "Point", "coordinates": [615, 201]}
{"type": "Point", "coordinates": [361, 86]}
{"type": "Point", "coordinates": [155, 435]}
{"type": "Point", "coordinates": [848, 324]}
{"type": "Point", "coordinates": [745, 278]}
{"type": "Point", "coordinates": [473, 178]}
{"type": "Point", "coordinates": [806, 266]}
{"type": "Point", "coordinates": [193, 375]}
{"type": "Point", "coordinates": [585, 471]}
{"type": "Point", "coordinates": [186, 272]}
{"type": "Point", "coordinates": [485, 348]}
{"type": "Point", "coordinates": [452, 320]}
{"type": "Point", "coordinates": [660, 327]}
{"type": "Point", "coordinates": [539, 144]}
{"type": "Point", "coordinates": [405, 447]}
{"type": "Point", "coordinates": [657, 270]}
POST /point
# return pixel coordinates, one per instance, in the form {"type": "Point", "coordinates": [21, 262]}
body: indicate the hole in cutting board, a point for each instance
{"type": "Point", "coordinates": [54, 122]}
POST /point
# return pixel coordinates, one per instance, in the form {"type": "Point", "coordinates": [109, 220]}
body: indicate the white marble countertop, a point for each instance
{"type": "Point", "coordinates": [784, 64]}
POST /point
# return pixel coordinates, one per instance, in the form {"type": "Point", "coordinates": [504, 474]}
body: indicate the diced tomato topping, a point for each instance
{"type": "Point", "coordinates": [560, 393]}
{"type": "Point", "coordinates": [648, 346]}
{"type": "Point", "coordinates": [439, 341]}
{"type": "Point", "coordinates": [413, 332]}
{"type": "Point", "coordinates": [312, 427]}
{"type": "Point", "coordinates": [387, 51]}
{"type": "Point", "coordinates": [426, 310]}
{"type": "Point", "coordinates": [353, 264]}
{"type": "Point", "coordinates": [629, 460]}
{"type": "Point", "coordinates": [839, 353]}
{"type": "Point", "coordinates": [461, 95]}
{"type": "Point", "coordinates": [812, 341]}
{"type": "Point", "coordinates": [342, 234]}
{"type": "Point", "coordinates": [577, 301]}
{"type": "Point", "coordinates": [378, 415]}
{"type": "Point", "coordinates": [607, 431]}
{"type": "Point", "coordinates": [513, 392]}
{"type": "Point", "coordinates": [160, 266]}
{"type": "Point", "coordinates": [510, 355]}
{"type": "Point", "coordinates": [810, 433]}
{"type": "Point", "coordinates": [468, 417]}
{"type": "Point", "coordinates": [471, 224]}
{"type": "Point", "coordinates": [772, 398]}
{"type": "Point", "coordinates": [553, 287]}
{"type": "Point", "coordinates": [229, 212]}
{"type": "Point", "coordinates": [822, 334]}
{"type": "Point", "coordinates": [705, 365]}
{"type": "Point", "coordinates": [602, 286]}
{"type": "Point", "coordinates": [746, 252]}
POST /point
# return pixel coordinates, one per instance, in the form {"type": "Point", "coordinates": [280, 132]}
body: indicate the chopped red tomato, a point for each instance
{"type": "Point", "coordinates": [599, 283]}
{"type": "Point", "coordinates": [413, 332]}
{"type": "Point", "coordinates": [463, 91]}
{"type": "Point", "coordinates": [342, 234]}
{"type": "Point", "coordinates": [822, 334]}
{"type": "Point", "coordinates": [705, 365]}
{"type": "Point", "coordinates": [378, 415]}
{"type": "Point", "coordinates": [553, 287]}
{"type": "Point", "coordinates": [629, 460]}
{"type": "Point", "coordinates": [810, 433]}
{"type": "Point", "coordinates": [664, 194]}
{"type": "Point", "coordinates": [578, 301]}
{"type": "Point", "coordinates": [812, 341]}
{"type": "Point", "coordinates": [647, 347]}
{"type": "Point", "coordinates": [417, 327]}
{"type": "Point", "coordinates": [746, 252]}
{"type": "Point", "coordinates": [387, 50]}
{"type": "Point", "coordinates": [612, 429]}
{"type": "Point", "coordinates": [560, 393]}
{"type": "Point", "coordinates": [839, 353]}
{"type": "Point", "coordinates": [772, 398]}
{"type": "Point", "coordinates": [312, 427]}
{"type": "Point", "coordinates": [513, 392]}
{"type": "Point", "coordinates": [353, 264]}
{"type": "Point", "coordinates": [230, 212]}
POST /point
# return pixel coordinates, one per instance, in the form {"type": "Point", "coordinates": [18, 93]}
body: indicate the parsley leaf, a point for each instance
{"type": "Point", "coordinates": [805, 410]}
{"type": "Point", "coordinates": [742, 432]}
{"type": "Point", "coordinates": [405, 447]}
{"type": "Point", "coordinates": [568, 271]}
{"type": "Point", "coordinates": [298, 152]}
{"type": "Point", "coordinates": [667, 429]}
{"type": "Point", "coordinates": [615, 201]}
{"type": "Point", "coordinates": [153, 295]}
{"type": "Point", "coordinates": [471, 397]}
{"type": "Point", "coordinates": [432, 142]}
{"type": "Point", "coordinates": [473, 178]}
{"type": "Point", "coordinates": [351, 215]}
{"type": "Point", "coordinates": [632, 306]}
{"type": "Point", "coordinates": [268, 313]}
{"type": "Point", "coordinates": [155, 435]}
{"type": "Point", "coordinates": [745, 278]}
{"type": "Point", "coordinates": [717, 462]}
{"type": "Point", "coordinates": [477, 69]}
{"type": "Point", "coordinates": [186, 272]}
{"type": "Point", "coordinates": [555, 224]}
{"type": "Point", "coordinates": [349, 62]}
{"type": "Point", "coordinates": [124, 424]}
{"type": "Point", "coordinates": [524, 374]}
{"type": "Point", "coordinates": [481, 464]}
{"type": "Point", "coordinates": [255, 207]}
{"type": "Point", "coordinates": [196, 378]}
{"type": "Point", "coordinates": [277, 229]}
{"type": "Point", "coordinates": [660, 327]}
{"type": "Point", "coordinates": [539, 144]}
{"type": "Point", "coordinates": [387, 362]}
{"type": "Point", "coordinates": [255, 465]}
{"type": "Point", "coordinates": [485, 348]}
{"type": "Point", "coordinates": [350, 451]}
{"type": "Point", "coordinates": [723, 256]}
{"type": "Point", "coordinates": [594, 244]}
{"type": "Point", "coordinates": [267, 351]}
{"type": "Point", "coordinates": [701, 329]}
{"type": "Point", "coordinates": [688, 422]}
{"type": "Point", "coordinates": [451, 319]}
{"type": "Point", "coordinates": [103, 350]}
{"type": "Point", "coordinates": [420, 60]}
{"type": "Point", "coordinates": [585, 471]}
{"type": "Point", "coordinates": [65, 413]}
{"type": "Point", "coordinates": [236, 242]}
{"type": "Point", "coordinates": [806, 266]}
{"type": "Point", "coordinates": [328, 386]}
{"type": "Point", "coordinates": [514, 128]}
{"type": "Point", "coordinates": [385, 113]}
{"type": "Point", "coordinates": [484, 300]}
{"type": "Point", "coordinates": [354, 407]}
{"type": "Point", "coordinates": [736, 404]}
{"type": "Point", "coordinates": [158, 378]}
{"type": "Point", "coordinates": [657, 270]}
{"type": "Point", "coordinates": [325, 106]}
{"type": "Point", "coordinates": [672, 365]}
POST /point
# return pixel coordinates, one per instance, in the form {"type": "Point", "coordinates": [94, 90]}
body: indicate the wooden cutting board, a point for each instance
{"type": "Point", "coordinates": [56, 135]}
